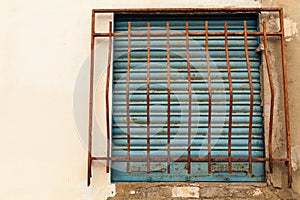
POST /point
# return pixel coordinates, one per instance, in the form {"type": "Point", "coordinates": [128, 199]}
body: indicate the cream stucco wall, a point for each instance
{"type": "Point", "coordinates": [44, 45]}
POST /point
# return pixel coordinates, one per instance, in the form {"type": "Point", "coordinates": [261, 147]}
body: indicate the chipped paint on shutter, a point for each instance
{"type": "Point", "coordinates": [179, 106]}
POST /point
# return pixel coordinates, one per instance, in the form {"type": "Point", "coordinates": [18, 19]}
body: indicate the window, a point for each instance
{"type": "Point", "coordinates": [186, 102]}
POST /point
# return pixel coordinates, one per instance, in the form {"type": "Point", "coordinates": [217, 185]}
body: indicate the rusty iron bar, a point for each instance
{"type": "Point", "coordinates": [190, 96]}
{"type": "Point", "coordinates": [91, 100]}
{"type": "Point", "coordinates": [280, 159]}
{"type": "Point", "coordinates": [286, 101]}
{"type": "Point", "coordinates": [209, 98]}
{"type": "Point", "coordinates": [272, 96]}
{"type": "Point", "coordinates": [148, 98]}
{"type": "Point", "coordinates": [107, 97]}
{"type": "Point", "coordinates": [141, 34]}
{"type": "Point", "coordinates": [231, 98]}
{"type": "Point", "coordinates": [251, 97]}
{"type": "Point", "coordinates": [222, 159]}
{"type": "Point", "coordinates": [127, 96]}
{"type": "Point", "coordinates": [169, 94]}
{"type": "Point", "coordinates": [184, 10]}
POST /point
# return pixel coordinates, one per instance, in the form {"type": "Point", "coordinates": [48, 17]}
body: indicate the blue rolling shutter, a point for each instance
{"type": "Point", "coordinates": [179, 99]}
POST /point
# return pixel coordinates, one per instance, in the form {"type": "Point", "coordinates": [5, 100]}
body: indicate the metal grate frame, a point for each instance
{"type": "Point", "coordinates": [265, 34]}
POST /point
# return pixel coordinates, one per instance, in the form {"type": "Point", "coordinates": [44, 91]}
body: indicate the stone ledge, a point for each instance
{"type": "Point", "coordinates": [177, 191]}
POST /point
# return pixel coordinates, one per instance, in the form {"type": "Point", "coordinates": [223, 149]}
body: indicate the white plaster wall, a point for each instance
{"type": "Point", "coordinates": [43, 46]}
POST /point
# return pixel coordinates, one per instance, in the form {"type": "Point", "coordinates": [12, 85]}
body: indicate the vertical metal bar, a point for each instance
{"type": "Point", "coordinates": [107, 96]}
{"type": "Point", "coordinates": [148, 98]}
{"type": "Point", "coordinates": [190, 96]}
{"type": "Point", "coordinates": [272, 96]}
{"type": "Point", "coordinates": [286, 100]}
{"type": "Point", "coordinates": [169, 94]}
{"type": "Point", "coordinates": [231, 99]}
{"type": "Point", "coordinates": [251, 97]}
{"type": "Point", "coordinates": [209, 97]}
{"type": "Point", "coordinates": [127, 96]}
{"type": "Point", "coordinates": [90, 129]}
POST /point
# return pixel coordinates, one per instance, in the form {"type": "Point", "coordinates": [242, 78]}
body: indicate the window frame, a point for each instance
{"type": "Point", "coordinates": [265, 34]}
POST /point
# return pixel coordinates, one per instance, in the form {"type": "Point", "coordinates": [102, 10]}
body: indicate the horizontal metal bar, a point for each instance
{"type": "Point", "coordinates": [184, 10]}
{"type": "Point", "coordinates": [280, 159]}
{"type": "Point", "coordinates": [139, 159]}
{"type": "Point", "coordinates": [189, 33]}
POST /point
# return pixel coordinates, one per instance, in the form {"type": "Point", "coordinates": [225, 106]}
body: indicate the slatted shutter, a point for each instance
{"type": "Point", "coordinates": [141, 139]}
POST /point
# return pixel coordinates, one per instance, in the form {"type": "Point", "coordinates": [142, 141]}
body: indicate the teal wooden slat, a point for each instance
{"type": "Point", "coordinates": [179, 99]}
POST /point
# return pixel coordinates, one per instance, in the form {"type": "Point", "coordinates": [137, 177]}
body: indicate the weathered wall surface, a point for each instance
{"type": "Point", "coordinates": [292, 20]}
{"type": "Point", "coordinates": [44, 45]}
{"type": "Point", "coordinates": [236, 191]}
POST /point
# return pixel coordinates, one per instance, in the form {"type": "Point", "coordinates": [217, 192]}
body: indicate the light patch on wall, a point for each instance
{"type": "Point", "coordinates": [101, 187]}
{"type": "Point", "coordinates": [186, 192]}
{"type": "Point", "coordinates": [290, 26]}
{"type": "Point", "coordinates": [290, 29]}
{"type": "Point", "coordinates": [257, 192]}
{"type": "Point", "coordinates": [295, 157]}
{"type": "Point", "coordinates": [96, 192]}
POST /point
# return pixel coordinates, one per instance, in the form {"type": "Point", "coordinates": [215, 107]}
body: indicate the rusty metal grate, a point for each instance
{"type": "Point", "coordinates": [209, 159]}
